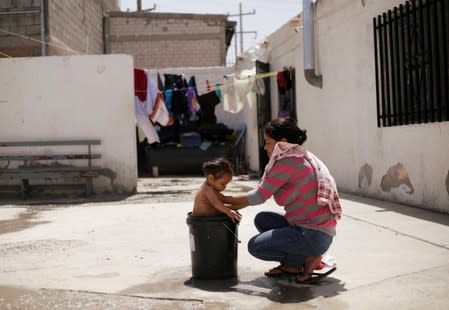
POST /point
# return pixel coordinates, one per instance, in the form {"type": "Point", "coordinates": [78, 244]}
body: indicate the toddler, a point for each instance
{"type": "Point", "coordinates": [209, 201]}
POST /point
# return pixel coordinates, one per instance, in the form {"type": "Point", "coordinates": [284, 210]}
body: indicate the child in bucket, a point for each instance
{"type": "Point", "coordinates": [209, 201]}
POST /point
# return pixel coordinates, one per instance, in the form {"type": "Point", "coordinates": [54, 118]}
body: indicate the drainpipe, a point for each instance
{"type": "Point", "coordinates": [309, 47]}
{"type": "Point", "coordinates": [106, 34]}
{"type": "Point", "coordinates": [43, 34]}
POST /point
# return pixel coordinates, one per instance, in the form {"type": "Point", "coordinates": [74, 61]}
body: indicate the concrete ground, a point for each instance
{"type": "Point", "coordinates": [134, 253]}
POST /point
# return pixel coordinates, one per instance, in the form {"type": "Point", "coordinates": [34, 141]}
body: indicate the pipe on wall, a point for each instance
{"type": "Point", "coordinates": [43, 32]}
{"type": "Point", "coordinates": [309, 47]}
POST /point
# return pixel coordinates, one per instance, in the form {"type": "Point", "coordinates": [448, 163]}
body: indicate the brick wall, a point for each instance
{"type": "Point", "coordinates": [76, 27]}
{"type": "Point", "coordinates": [72, 27]}
{"type": "Point", "coordinates": [161, 40]}
{"type": "Point", "coordinates": [14, 20]}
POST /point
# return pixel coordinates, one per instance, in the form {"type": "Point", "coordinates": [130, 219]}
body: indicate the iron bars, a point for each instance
{"type": "Point", "coordinates": [411, 59]}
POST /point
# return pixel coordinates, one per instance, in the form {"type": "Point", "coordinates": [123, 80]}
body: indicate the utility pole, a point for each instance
{"type": "Point", "coordinates": [241, 32]}
{"type": "Point", "coordinates": [139, 7]}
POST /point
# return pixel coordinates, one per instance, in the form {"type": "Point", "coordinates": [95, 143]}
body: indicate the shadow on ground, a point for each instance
{"type": "Point", "coordinates": [416, 212]}
{"type": "Point", "coordinates": [271, 289]}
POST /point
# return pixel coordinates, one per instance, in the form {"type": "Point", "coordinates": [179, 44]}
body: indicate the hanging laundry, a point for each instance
{"type": "Point", "coordinates": [160, 85]}
{"type": "Point", "coordinates": [235, 94]}
{"type": "Point", "coordinates": [148, 128]}
{"type": "Point", "coordinates": [191, 100]}
{"type": "Point", "coordinates": [140, 84]}
{"type": "Point", "coordinates": [282, 82]}
{"type": "Point", "coordinates": [152, 92]}
{"type": "Point", "coordinates": [207, 102]}
{"type": "Point", "coordinates": [242, 89]}
{"type": "Point", "coordinates": [145, 91]}
{"type": "Point", "coordinates": [174, 81]}
{"type": "Point", "coordinates": [140, 107]}
{"type": "Point", "coordinates": [229, 102]}
{"type": "Point", "coordinates": [217, 88]}
{"type": "Point", "coordinates": [192, 83]}
{"type": "Point", "coordinates": [168, 94]}
{"type": "Point", "coordinates": [160, 114]}
{"type": "Point", "coordinates": [208, 86]}
{"type": "Point", "coordinates": [149, 104]}
{"type": "Point", "coordinates": [179, 104]}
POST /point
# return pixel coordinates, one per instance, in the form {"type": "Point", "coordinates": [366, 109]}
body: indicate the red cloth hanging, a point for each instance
{"type": "Point", "coordinates": [140, 84]}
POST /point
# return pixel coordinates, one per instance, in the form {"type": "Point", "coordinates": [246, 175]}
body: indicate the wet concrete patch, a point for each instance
{"type": "Point", "coordinates": [39, 247]}
{"type": "Point", "coordinates": [100, 275]}
{"type": "Point", "coordinates": [35, 255]}
{"type": "Point", "coordinates": [271, 289]}
{"type": "Point", "coordinates": [23, 221]}
{"type": "Point", "coordinates": [19, 298]}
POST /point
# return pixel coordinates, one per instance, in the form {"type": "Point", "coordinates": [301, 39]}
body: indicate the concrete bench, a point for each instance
{"type": "Point", "coordinates": [43, 165]}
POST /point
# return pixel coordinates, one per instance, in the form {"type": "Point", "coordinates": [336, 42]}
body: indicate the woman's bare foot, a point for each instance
{"type": "Point", "coordinates": [310, 264]}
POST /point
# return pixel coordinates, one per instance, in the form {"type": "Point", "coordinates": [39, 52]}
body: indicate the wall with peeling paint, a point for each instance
{"type": "Point", "coordinates": [406, 164]}
{"type": "Point", "coordinates": [74, 97]}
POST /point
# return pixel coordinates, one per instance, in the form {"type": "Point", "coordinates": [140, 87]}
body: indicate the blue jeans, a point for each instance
{"type": "Point", "coordinates": [281, 242]}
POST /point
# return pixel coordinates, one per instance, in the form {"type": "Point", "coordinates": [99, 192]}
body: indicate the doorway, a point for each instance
{"type": "Point", "coordinates": [263, 114]}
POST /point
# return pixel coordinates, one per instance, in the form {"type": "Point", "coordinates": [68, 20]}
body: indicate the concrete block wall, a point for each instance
{"type": "Point", "coordinates": [72, 27]}
{"type": "Point", "coordinates": [76, 27]}
{"type": "Point", "coordinates": [166, 40]}
{"type": "Point", "coordinates": [24, 24]}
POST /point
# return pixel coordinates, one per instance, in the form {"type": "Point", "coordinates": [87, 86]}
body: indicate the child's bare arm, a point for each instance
{"type": "Point", "coordinates": [216, 200]}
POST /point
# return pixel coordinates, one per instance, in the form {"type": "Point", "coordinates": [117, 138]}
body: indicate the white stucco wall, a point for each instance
{"type": "Point", "coordinates": [247, 114]}
{"type": "Point", "coordinates": [74, 97]}
{"type": "Point", "coordinates": [341, 119]}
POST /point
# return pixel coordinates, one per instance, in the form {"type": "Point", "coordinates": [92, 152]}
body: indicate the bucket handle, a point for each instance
{"type": "Point", "coordinates": [232, 232]}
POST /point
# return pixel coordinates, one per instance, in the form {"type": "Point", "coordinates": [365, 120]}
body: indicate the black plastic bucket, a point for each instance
{"type": "Point", "coordinates": [213, 247]}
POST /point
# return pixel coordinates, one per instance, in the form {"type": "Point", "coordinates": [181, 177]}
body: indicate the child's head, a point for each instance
{"type": "Point", "coordinates": [218, 173]}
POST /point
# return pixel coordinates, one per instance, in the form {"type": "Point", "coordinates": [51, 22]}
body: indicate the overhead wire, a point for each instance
{"type": "Point", "coordinates": [64, 47]}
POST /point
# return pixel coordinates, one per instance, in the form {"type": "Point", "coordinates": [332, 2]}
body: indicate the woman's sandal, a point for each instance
{"type": "Point", "coordinates": [280, 271]}
{"type": "Point", "coordinates": [313, 277]}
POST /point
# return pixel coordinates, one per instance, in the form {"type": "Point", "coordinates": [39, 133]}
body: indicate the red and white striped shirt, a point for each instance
{"type": "Point", "coordinates": [293, 183]}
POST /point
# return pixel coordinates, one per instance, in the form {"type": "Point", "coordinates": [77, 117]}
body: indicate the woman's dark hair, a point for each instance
{"type": "Point", "coordinates": [217, 167]}
{"type": "Point", "coordinates": [285, 128]}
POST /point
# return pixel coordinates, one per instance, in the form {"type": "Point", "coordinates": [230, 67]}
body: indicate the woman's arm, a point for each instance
{"type": "Point", "coordinates": [236, 202]}
{"type": "Point", "coordinates": [270, 183]}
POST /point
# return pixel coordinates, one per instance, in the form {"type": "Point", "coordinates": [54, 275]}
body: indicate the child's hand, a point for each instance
{"type": "Point", "coordinates": [234, 215]}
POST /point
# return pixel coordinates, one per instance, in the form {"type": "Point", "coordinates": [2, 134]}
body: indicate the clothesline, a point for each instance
{"type": "Point", "coordinates": [62, 46]}
{"type": "Point", "coordinates": [205, 89]}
